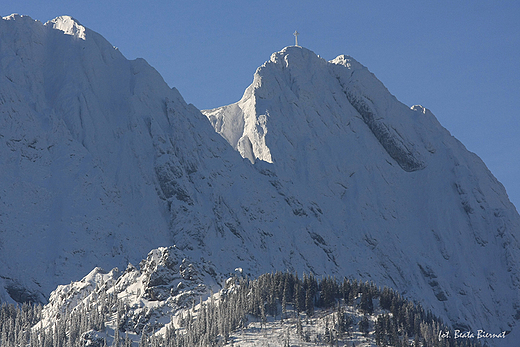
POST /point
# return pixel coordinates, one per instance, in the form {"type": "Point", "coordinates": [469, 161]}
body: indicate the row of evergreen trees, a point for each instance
{"type": "Point", "coordinates": [275, 294]}
{"type": "Point", "coordinates": [19, 323]}
{"type": "Point", "coordinates": [16, 323]}
{"type": "Point", "coordinates": [271, 294]}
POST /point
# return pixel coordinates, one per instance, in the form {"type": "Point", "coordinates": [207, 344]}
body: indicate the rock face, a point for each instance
{"type": "Point", "coordinates": [102, 161]}
{"type": "Point", "coordinates": [69, 104]}
{"type": "Point", "coordinates": [396, 196]}
{"type": "Point", "coordinates": [137, 299]}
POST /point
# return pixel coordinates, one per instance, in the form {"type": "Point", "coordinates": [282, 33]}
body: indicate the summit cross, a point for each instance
{"type": "Point", "coordinates": [296, 33]}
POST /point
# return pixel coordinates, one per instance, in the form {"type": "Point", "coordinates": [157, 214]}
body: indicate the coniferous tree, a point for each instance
{"type": "Point", "coordinates": [299, 297]}
{"type": "Point", "coordinates": [366, 304]}
{"type": "Point", "coordinates": [309, 303]}
{"type": "Point", "coordinates": [284, 298]}
{"type": "Point", "coordinates": [287, 338]}
{"type": "Point", "coordinates": [364, 325]}
{"type": "Point", "coordinates": [299, 328]}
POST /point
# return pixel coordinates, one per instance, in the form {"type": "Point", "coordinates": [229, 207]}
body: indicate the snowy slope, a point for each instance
{"type": "Point", "coordinates": [400, 200]}
{"type": "Point", "coordinates": [166, 302]}
{"type": "Point", "coordinates": [77, 176]}
{"type": "Point", "coordinates": [101, 161]}
{"type": "Point", "coordinates": [98, 155]}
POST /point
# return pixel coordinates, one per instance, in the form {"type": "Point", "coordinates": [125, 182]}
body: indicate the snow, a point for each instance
{"type": "Point", "coordinates": [276, 332]}
{"type": "Point", "coordinates": [66, 150]}
{"type": "Point", "coordinates": [395, 188]}
{"type": "Point", "coordinates": [69, 26]}
{"type": "Point", "coordinates": [102, 162]}
{"type": "Point", "coordinates": [165, 284]}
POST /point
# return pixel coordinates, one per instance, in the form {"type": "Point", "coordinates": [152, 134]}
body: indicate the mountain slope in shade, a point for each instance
{"type": "Point", "coordinates": [102, 161]}
{"type": "Point", "coordinates": [400, 200]}
{"type": "Point", "coordinates": [98, 156]}
{"type": "Point", "coordinates": [73, 130]}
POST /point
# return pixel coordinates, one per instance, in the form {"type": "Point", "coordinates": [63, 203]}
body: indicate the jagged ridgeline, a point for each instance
{"type": "Point", "coordinates": [280, 308]}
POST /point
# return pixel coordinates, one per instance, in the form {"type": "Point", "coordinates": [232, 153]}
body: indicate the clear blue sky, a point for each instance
{"type": "Point", "coordinates": [460, 59]}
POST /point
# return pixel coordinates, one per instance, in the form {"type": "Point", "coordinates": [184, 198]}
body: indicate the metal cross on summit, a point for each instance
{"type": "Point", "coordinates": [296, 33]}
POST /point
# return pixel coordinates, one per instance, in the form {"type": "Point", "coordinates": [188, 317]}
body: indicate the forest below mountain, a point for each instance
{"type": "Point", "coordinates": [324, 312]}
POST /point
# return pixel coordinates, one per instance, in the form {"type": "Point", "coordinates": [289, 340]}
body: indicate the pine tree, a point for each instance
{"type": "Point", "coordinates": [380, 332]}
{"type": "Point", "coordinates": [143, 342]}
{"type": "Point", "coordinates": [115, 343]}
{"type": "Point", "coordinates": [364, 326]}
{"type": "Point", "coordinates": [309, 303]}
{"type": "Point", "coordinates": [263, 314]}
{"type": "Point", "coordinates": [299, 328]}
{"type": "Point", "coordinates": [366, 304]}
{"type": "Point", "coordinates": [299, 297]}
{"type": "Point", "coordinates": [284, 299]}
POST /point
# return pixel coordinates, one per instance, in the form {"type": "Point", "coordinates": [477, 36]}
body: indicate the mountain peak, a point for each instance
{"type": "Point", "coordinates": [358, 155]}
{"type": "Point", "coordinates": [69, 26]}
{"type": "Point", "coordinates": [295, 50]}
{"type": "Point", "coordinates": [13, 16]}
{"type": "Point", "coordinates": [295, 57]}
{"type": "Point", "coordinates": [297, 83]}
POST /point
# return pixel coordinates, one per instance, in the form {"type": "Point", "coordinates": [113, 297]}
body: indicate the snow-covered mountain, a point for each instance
{"type": "Point", "coordinates": [101, 162]}
{"type": "Point", "coordinates": [144, 298]}
{"type": "Point", "coordinates": [166, 302]}
{"type": "Point", "coordinates": [398, 199]}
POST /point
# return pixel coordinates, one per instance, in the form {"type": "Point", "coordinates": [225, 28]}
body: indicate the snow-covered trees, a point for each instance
{"type": "Point", "coordinates": [347, 305]}
{"type": "Point", "coordinates": [16, 323]}
{"type": "Point", "coordinates": [394, 322]}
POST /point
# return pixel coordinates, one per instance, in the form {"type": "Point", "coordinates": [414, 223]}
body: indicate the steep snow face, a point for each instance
{"type": "Point", "coordinates": [78, 188]}
{"type": "Point", "coordinates": [400, 201]}
{"type": "Point", "coordinates": [101, 160]}
{"type": "Point", "coordinates": [301, 86]}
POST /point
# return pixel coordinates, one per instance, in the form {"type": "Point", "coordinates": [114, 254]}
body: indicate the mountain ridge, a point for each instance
{"type": "Point", "coordinates": [366, 120]}
{"type": "Point", "coordinates": [104, 162]}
